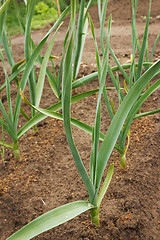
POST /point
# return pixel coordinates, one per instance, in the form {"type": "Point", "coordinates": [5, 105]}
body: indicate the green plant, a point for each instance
{"type": "Point", "coordinates": [40, 17]}
{"type": "Point", "coordinates": [11, 114]}
{"type": "Point", "coordinates": [12, 22]}
{"type": "Point", "coordinates": [35, 86]}
{"type": "Point", "coordinates": [127, 110]}
{"type": "Point", "coordinates": [2, 143]}
{"type": "Point", "coordinates": [43, 15]}
{"type": "Point", "coordinates": [135, 71]}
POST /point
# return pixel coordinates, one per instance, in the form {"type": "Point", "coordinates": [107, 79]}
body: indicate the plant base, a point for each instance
{"type": "Point", "coordinates": [123, 161]}
{"type": "Point", "coordinates": [16, 151]}
{"type": "Point", "coordinates": [95, 216]}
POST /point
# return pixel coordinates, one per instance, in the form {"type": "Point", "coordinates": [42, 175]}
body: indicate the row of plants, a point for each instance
{"type": "Point", "coordinates": [141, 79]}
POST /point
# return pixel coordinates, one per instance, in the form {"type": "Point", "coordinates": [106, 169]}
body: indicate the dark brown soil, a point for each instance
{"type": "Point", "coordinates": [46, 176]}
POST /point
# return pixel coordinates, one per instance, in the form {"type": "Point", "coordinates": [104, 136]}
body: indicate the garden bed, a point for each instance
{"type": "Point", "coordinates": [46, 176]}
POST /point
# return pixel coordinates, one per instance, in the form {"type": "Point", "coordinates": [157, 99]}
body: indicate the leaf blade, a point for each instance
{"type": "Point", "coordinates": [105, 185]}
{"type": "Point", "coordinates": [41, 78]}
{"type": "Point", "coordinates": [51, 219]}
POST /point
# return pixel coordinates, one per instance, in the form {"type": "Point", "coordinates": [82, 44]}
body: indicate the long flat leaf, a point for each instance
{"type": "Point", "coordinates": [119, 65]}
{"type": "Point", "coordinates": [10, 112]}
{"type": "Point", "coordinates": [30, 12]}
{"type": "Point", "coordinates": [96, 129]}
{"type": "Point", "coordinates": [6, 144]}
{"type": "Point", "coordinates": [87, 8]}
{"type": "Point", "coordinates": [144, 44]}
{"type": "Point", "coordinates": [95, 144]}
{"type": "Point", "coordinates": [81, 36]}
{"type": "Point", "coordinates": [105, 65]}
{"type": "Point", "coordinates": [154, 46]}
{"type": "Point", "coordinates": [144, 114]}
{"type": "Point", "coordinates": [135, 41]}
{"type": "Point", "coordinates": [41, 78]}
{"type": "Point", "coordinates": [66, 103]}
{"type": "Point", "coordinates": [3, 7]}
{"type": "Point", "coordinates": [61, 64]}
{"type": "Point", "coordinates": [102, 20]}
{"type": "Point", "coordinates": [105, 185]}
{"type": "Point", "coordinates": [96, 46]}
{"type": "Point", "coordinates": [103, 69]}
{"type": "Point", "coordinates": [28, 52]}
{"type": "Point", "coordinates": [7, 48]}
{"type": "Point", "coordinates": [51, 219]}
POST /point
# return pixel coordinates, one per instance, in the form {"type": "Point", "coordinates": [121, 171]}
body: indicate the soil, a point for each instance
{"type": "Point", "coordinates": [46, 176]}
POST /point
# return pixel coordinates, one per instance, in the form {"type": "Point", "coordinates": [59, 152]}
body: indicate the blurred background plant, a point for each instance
{"type": "Point", "coordinates": [45, 12]}
{"type": "Point", "coordinates": [12, 23]}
